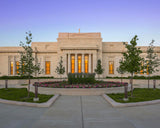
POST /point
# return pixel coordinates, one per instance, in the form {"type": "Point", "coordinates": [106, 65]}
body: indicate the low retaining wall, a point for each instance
{"type": "Point", "coordinates": [79, 91]}
{"type": "Point", "coordinates": [135, 81]}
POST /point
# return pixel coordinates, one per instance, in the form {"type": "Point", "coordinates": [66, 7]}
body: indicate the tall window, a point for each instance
{"type": "Point", "coordinates": [86, 63]}
{"type": "Point", "coordinates": [47, 67]}
{"type": "Point", "coordinates": [11, 68]}
{"type": "Point", "coordinates": [17, 67]}
{"type": "Point", "coordinates": [111, 67]}
{"type": "Point", "coordinates": [79, 63]}
{"type": "Point", "coordinates": [72, 63]}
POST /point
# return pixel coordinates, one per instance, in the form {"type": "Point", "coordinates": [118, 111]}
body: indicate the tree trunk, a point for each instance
{"type": "Point", "coordinates": [61, 78]}
{"type": "Point", "coordinates": [36, 91]}
{"type": "Point", "coordinates": [131, 84]}
{"type": "Point", "coordinates": [154, 84]}
{"type": "Point", "coordinates": [29, 87]}
{"type": "Point", "coordinates": [126, 92]}
{"type": "Point", "coordinates": [6, 84]}
{"type": "Point", "coordinates": [148, 80]}
{"type": "Point", "coordinates": [121, 78]}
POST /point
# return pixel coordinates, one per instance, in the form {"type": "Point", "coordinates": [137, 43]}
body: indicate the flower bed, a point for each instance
{"type": "Point", "coordinates": [64, 84]}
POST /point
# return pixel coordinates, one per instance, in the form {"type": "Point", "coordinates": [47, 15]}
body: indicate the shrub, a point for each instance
{"type": "Point", "coordinates": [81, 78]}
{"type": "Point", "coordinates": [24, 77]}
{"type": "Point", "coordinates": [135, 77]}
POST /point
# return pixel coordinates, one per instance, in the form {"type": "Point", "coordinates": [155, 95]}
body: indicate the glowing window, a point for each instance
{"type": "Point", "coordinates": [11, 68]}
{"type": "Point", "coordinates": [72, 63]}
{"type": "Point", "coordinates": [47, 67]}
{"type": "Point", "coordinates": [111, 67]}
{"type": "Point", "coordinates": [79, 63]}
{"type": "Point", "coordinates": [86, 63]}
{"type": "Point", "coordinates": [17, 67]}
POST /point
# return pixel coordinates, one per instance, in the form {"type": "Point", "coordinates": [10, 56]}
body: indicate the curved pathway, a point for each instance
{"type": "Point", "coordinates": [79, 112]}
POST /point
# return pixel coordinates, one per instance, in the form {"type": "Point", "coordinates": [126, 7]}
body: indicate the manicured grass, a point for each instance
{"type": "Point", "coordinates": [24, 84]}
{"type": "Point", "coordinates": [20, 94]}
{"type": "Point", "coordinates": [139, 95]}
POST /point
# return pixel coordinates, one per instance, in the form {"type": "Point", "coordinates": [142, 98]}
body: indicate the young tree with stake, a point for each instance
{"type": "Point", "coordinates": [27, 66]}
{"type": "Point", "coordinates": [151, 62]}
{"type": "Point", "coordinates": [132, 60]}
{"type": "Point", "coordinates": [60, 68]}
{"type": "Point", "coordinates": [99, 69]}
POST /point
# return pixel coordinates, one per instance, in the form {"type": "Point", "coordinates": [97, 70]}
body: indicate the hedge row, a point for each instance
{"type": "Point", "coordinates": [135, 77]}
{"type": "Point", "coordinates": [24, 77]}
{"type": "Point", "coordinates": [81, 78]}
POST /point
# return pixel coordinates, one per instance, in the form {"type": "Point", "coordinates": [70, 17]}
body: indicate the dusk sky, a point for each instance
{"type": "Point", "coordinates": [117, 20]}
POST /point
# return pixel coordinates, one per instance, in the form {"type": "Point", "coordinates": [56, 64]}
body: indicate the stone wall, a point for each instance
{"type": "Point", "coordinates": [135, 81]}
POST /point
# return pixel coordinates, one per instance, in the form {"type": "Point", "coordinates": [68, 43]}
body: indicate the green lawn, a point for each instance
{"type": "Point", "coordinates": [139, 95]}
{"type": "Point", "coordinates": [24, 84]}
{"type": "Point", "coordinates": [20, 94]}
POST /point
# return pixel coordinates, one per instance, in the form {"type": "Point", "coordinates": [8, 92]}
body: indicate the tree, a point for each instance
{"type": "Point", "coordinates": [60, 68]}
{"type": "Point", "coordinates": [38, 70]}
{"type": "Point", "coordinates": [121, 70]}
{"type": "Point", "coordinates": [152, 61]}
{"type": "Point", "coordinates": [27, 66]}
{"type": "Point", "coordinates": [99, 69]}
{"type": "Point", "coordinates": [132, 60]}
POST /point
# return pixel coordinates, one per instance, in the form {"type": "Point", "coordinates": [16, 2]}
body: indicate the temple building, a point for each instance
{"type": "Point", "coordinates": [80, 52]}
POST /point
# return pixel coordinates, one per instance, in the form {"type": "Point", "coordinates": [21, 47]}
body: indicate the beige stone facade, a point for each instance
{"type": "Point", "coordinates": [80, 52]}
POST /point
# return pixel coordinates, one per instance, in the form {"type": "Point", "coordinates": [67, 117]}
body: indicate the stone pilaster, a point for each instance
{"type": "Point", "coordinates": [90, 63]}
{"type": "Point", "coordinates": [43, 65]}
{"type": "Point", "coordinates": [76, 63]}
{"type": "Point", "coordinates": [94, 61]}
{"type": "Point", "coordinates": [14, 66]}
{"type": "Point", "coordinates": [83, 63]}
{"type": "Point", "coordinates": [69, 62]}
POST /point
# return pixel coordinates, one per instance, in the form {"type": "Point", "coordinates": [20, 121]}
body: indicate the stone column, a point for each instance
{"type": "Point", "coordinates": [69, 62]}
{"type": "Point", "coordinates": [89, 63]}
{"type": "Point", "coordinates": [43, 65]}
{"type": "Point", "coordinates": [65, 62]}
{"type": "Point", "coordinates": [83, 63]}
{"type": "Point", "coordinates": [76, 63]}
{"type": "Point", "coordinates": [14, 66]}
{"type": "Point", "coordinates": [94, 61]}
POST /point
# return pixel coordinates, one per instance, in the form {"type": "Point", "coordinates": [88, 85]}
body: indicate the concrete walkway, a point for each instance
{"type": "Point", "coordinates": [79, 112]}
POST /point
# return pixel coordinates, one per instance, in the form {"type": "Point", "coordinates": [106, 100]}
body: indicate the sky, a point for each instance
{"type": "Point", "coordinates": [117, 20]}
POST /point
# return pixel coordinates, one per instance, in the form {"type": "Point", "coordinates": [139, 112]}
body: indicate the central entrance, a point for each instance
{"type": "Point", "coordinates": [80, 63]}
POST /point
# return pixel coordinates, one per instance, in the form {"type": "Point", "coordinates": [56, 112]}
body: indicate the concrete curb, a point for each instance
{"type": "Point", "coordinates": [116, 104]}
{"type": "Point", "coordinates": [46, 104]}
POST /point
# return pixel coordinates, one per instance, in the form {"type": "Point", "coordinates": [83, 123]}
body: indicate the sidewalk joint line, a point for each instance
{"type": "Point", "coordinates": [82, 112]}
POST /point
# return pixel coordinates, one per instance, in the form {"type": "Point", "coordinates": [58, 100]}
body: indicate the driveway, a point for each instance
{"type": "Point", "coordinates": [79, 112]}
